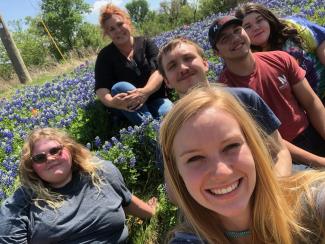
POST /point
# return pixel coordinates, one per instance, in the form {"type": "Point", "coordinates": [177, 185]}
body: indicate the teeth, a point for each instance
{"type": "Point", "coordinates": [225, 190]}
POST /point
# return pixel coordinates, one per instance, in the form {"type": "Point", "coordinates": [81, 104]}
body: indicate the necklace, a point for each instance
{"type": "Point", "coordinates": [237, 234]}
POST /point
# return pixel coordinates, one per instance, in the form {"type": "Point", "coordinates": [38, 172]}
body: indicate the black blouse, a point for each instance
{"type": "Point", "coordinates": [112, 66]}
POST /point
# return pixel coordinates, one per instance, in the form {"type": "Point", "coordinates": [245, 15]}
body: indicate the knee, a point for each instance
{"type": "Point", "coordinates": [165, 108]}
{"type": "Point", "coordinates": [122, 86]}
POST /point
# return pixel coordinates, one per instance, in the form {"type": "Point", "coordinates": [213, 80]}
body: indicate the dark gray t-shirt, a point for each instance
{"type": "Point", "coordinates": [257, 108]}
{"type": "Point", "coordinates": [87, 216]}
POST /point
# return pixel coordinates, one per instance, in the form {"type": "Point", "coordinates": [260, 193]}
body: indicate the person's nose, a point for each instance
{"type": "Point", "coordinates": [235, 38]}
{"type": "Point", "coordinates": [183, 67]}
{"type": "Point", "coordinates": [255, 27]}
{"type": "Point", "coordinates": [50, 157]}
{"type": "Point", "coordinates": [220, 167]}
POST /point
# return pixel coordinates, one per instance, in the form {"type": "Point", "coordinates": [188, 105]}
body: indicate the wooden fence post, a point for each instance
{"type": "Point", "coordinates": [13, 54]}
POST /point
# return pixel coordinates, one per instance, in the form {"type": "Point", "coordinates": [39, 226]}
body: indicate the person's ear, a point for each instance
{"type": "Point", "coordinates": [206, 65]}
{"type": "Point", "coordinates": [216, 52]}
{"type": "Point", "coordinates": [168, 84]}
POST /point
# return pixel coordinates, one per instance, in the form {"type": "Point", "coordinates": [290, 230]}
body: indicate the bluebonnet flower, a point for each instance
{"type": "Point", "coordinates": [132, 162]}
{"type": "Point", "coordinates": [88, 145]}
{"type": "Point", "coordinates": [123, 131]}
{"type": "Point", "coordinates": [156, 125]}
{"type": "Point", "coordinates": [114, 140]}
{"type": "Point", "coordinates": [130, 129]}
{"type": "Point", "coordinates": [2, 195]}
{"type": "Point", "coordinates": [8, 149]}
{"type": "Point", "coordinates": [107, 145]}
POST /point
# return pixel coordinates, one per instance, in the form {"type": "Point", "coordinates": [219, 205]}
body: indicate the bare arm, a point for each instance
{"type": "Point", "coordinates": [302, 156]}
{"type": "Point", "coordinates": [320, 52]}
{"type": "Point", "coordinates": [104, 96]}
{"type": "Point", "coordinates": [281, 155]}
{"type": "Point", "coordinates": [154, 83]}
{"type": "Point", "coordinates": [312, 105]}
{"type": "Point", "coordinates": [141, 209]}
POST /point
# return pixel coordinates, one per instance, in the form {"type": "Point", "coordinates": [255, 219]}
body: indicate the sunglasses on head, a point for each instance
{"type": "Point", "coordinates": [42, 157]}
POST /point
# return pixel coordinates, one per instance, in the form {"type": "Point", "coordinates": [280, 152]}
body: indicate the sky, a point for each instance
{"type": "Point", "coordinates": [11, 10]}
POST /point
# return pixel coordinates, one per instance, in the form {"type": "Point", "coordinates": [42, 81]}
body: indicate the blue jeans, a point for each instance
{"type": "Point", "coordinates": [155, 108]}
{"type": "Point", "coordinates": [310, 141]}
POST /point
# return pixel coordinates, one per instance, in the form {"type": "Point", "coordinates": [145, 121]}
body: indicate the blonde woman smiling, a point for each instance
{"type": "Point", "coordinates": [220, 172]}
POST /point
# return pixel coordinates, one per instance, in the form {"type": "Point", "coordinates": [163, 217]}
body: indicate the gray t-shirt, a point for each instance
{"type": "Point", "coordinates": [87, 216]}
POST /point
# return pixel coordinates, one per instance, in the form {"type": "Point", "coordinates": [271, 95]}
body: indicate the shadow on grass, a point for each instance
{"type": "Point", "coordinates": [96, 120]}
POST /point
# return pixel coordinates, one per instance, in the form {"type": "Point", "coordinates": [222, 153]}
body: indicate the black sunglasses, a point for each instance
{"type": "Point", "coordinates": [42, 157]}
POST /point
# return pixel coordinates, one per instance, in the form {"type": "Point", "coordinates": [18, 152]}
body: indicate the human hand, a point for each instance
{"type": "Point", "coordinates": [122, 101]}
{"type": "Point", "coordinates": [153, 204]}
{"type": "Point", "coordinates": [139, 96]}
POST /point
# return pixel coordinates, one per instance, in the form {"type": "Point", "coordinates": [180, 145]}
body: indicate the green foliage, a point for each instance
{"type": "Point", "coordinates": [90, 36]}
{"type": "Point", "coordinates": [64, 19]}
{"type": "Point", "coordinates": [155, 24]}
{"type": "Point", "coordinates": [208, 7]}
{"type": "Point", "coordinates": [138, 9]}
{"type": "Point", "coordinates": [134, 153]}
{"type": "Point", "coordinates": [94, 120]}
{"type": "Point", "coordinates": [157, 229]}
{"type": "Point", "coordinates": [31, 48]}
{"type": "Point", "coordinates": [173, 10]}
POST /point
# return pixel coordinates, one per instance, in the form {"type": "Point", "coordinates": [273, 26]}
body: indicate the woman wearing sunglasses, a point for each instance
{"type": "Point", "coordinates": [127, 79]}
{"type": "Point", "coordinates": [220, 172]}
{"type": "Point", "coordinates": [66, 196]}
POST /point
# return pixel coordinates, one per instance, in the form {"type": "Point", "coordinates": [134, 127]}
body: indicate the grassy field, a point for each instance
{"type": "Point", "coordinates": [40, 76]}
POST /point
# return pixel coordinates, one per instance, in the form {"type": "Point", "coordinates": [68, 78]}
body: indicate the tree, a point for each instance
{"type": "Point", "coordinates": [208, 7]}
{"type": "Point", "coordinates": [138, 9]}
{"type": "Point", "coordinates": [64, 19]}
{"type": "Point", "coordinates": [178, 11]}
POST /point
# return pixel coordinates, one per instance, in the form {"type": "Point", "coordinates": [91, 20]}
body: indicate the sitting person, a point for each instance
{"type": "Point", "coordinates": [279, 80]}
{"type": "Point", "coordinates": [299, 37]}
{"type": "Point", "coordinates": [183, 66]}
{"type": "Point", "coordinates": [66, 196]}
{"type": "Point", "coordinates": [127, 80]}
{"type": "Point", "coordinates": [220, 172]}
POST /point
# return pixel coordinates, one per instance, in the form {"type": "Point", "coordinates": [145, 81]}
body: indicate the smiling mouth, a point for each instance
{"type": "Point", "coordinates": [184, 77]}
{"type": "Point", "coordinates": [225, 190]}
{"type": "Point", "coordinates": [53, 166]}
{"type": "Point", "coordinates": [258, 34]}
{"type": "Point", "coordinates": [238, 46]}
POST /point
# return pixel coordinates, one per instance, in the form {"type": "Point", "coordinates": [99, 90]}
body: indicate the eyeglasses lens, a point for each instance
{"type": "Point", "coordinates": [42, 157]}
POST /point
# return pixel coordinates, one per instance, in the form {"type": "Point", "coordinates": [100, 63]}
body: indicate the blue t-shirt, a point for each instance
{"type": "Point", "coordinates": [86, 216]}
{"type": "Point", "coordinates": [258, 109]}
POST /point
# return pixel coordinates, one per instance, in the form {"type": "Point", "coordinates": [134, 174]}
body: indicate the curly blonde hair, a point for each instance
{"type": "Point", "coordinates": [81, 161]}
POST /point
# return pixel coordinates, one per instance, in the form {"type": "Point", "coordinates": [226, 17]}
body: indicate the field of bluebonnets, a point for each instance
{"type": "Point", "coordinates": [69, 102]}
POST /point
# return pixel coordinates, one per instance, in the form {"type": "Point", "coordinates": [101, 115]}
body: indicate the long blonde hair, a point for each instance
{"type": "Point", "coordinates": [305, 193]}
{"type": "Point", "coordinates": [81, 161]}
{"type": "Point", "coordinates": [272, 219]}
